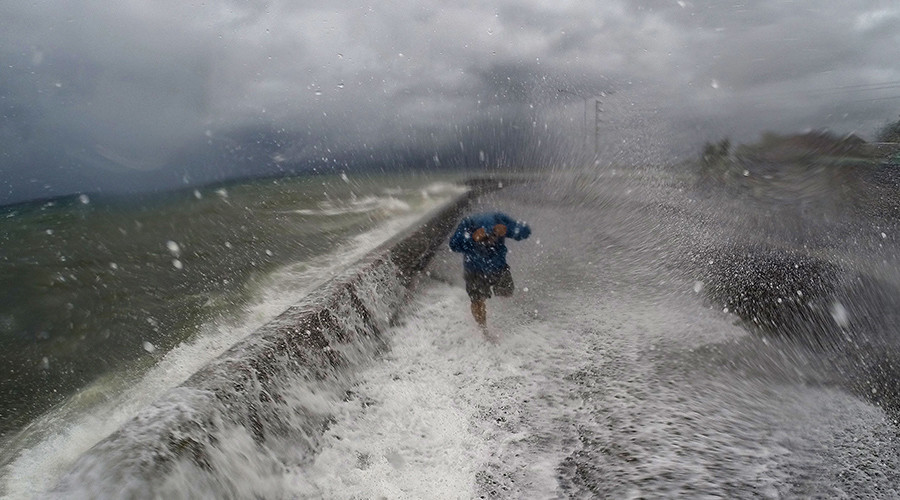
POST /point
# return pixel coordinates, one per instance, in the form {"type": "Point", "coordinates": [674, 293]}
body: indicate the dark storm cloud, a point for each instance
{"type": "Point", "coordinates": [115, 95]}
{"type": "Point", "coordinates": [784, 65]}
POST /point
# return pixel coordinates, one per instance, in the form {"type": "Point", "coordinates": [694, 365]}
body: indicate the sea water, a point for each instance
{"type": "Point", "coordinates": [610, 374]}
{"type": "Point", "coordinates": [108, 302]}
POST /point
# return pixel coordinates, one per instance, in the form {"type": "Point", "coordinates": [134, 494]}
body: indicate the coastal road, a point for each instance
{"type": "Point", "coordinates": [613, 376]}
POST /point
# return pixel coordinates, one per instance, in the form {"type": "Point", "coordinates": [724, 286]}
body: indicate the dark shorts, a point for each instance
{"type": "Point", "coordinates": [479, 285]}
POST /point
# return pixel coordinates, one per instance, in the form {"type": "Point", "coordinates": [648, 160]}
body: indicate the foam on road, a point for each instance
{"type": "Point", "coordinates": [612, 378]}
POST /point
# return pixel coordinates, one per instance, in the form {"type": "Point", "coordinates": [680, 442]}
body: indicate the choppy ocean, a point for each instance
{"type": "Point", "coordinates": [108, 301]}
{"type": "Point", "coordinates": [664, 341]}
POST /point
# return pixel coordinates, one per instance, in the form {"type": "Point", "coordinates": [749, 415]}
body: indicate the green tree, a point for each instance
{"type": "Point", "coordinates": [890, 132]}
{"type": "Point", "coordinates": [714, 154]}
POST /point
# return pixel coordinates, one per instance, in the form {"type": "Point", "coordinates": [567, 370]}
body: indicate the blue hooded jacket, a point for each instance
{"type": "Point", "coordinates": [486, 258]}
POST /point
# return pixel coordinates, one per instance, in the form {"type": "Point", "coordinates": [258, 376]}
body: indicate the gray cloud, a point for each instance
{"type": "Point", "coordinates": [111, 95]}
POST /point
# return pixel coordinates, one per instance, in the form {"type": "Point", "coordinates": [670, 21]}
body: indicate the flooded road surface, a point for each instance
{"type": "Point", "coordinates": [661, 342]}
{"type": "Point", "coordinates": [615, 376]}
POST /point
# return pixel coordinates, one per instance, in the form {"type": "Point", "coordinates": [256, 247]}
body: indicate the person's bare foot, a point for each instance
{"type": "Point", "coordinates": [490, 335]}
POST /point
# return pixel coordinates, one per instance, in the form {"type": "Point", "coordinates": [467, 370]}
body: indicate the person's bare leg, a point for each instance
{"type": "Point", "coordinates": [479, 312]}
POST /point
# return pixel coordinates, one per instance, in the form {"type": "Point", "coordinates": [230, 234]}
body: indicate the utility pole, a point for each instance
{"type": "Point", "coordinates": [597, 121]}
{"type": "Point", "coordinates": [584, 125]}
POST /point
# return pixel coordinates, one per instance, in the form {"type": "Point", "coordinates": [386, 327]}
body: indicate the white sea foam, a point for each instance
{"type": "Point", "coordinates": [443, 189]}
{"type": "Point", "coordinates": [433, 189]}
{"type": "Point", "coordinates": [619, 384]}
{"type": "Point", "coordinates": [608, 380]}
{"type": "Point", "coordinates": [406, 432]}
{"type": "Point", "coordinates": [386, 205]}
{"type": "Point", "coordinates": [44, 450]}
{"type": "Point", "coordinates": [448, 414]}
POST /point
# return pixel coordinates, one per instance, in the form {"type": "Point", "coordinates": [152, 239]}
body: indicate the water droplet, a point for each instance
{"type": "Point", "coordinates": [177, 263]}
{"type": "Point", "coordinates": [149, 347]}
{"type": "Point", "coordinates": [340, 85]}
{"type": "Point", "coordinates": [174, 248]}
{"type": "Point", "coordinates": [714, 84]}
{"type": "Point", "coordinates": [839, 314]}
{"type": "Point", "coordinates": [85, 199]}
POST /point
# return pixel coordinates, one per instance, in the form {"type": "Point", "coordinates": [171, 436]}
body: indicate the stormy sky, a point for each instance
{"type": "Point", "coordinates": [97, 95]}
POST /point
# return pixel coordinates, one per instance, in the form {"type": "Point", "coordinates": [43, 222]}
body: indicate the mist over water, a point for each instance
{"type": "Point", "coordinates": [99, 292]}
{"type": "Point", "coordinates": [707, 307]}
{"type": "Point", "coordinates": [666, 338]}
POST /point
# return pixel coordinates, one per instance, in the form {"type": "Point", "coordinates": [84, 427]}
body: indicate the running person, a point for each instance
{"type": "Point", "coordinates": [481, 239]}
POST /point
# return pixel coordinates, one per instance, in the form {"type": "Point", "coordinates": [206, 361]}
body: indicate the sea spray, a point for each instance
{"type": "Point", "coordinates": [275, 388]}
{"type": "Point", "coordinates": [266, 401]}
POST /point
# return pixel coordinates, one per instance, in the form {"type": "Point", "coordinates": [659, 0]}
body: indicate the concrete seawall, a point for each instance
{"type": "Point", "coordinates": [251, 390]}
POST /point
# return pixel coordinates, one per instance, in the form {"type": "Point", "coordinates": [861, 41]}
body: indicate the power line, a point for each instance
{"type": "Point", "coordinates": [868, 87]}
{"type": "Point", "coordinates": [808, 92]}
{"type": "Point", "coordinates": [885, 98]}
{"type": "Point", "coordinates": [861, 87]}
